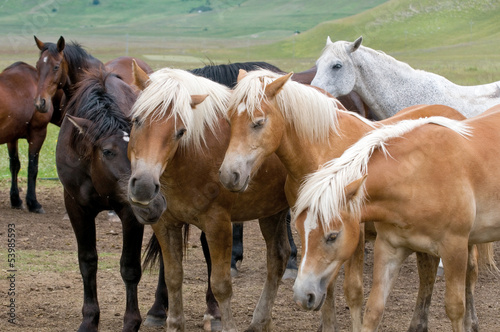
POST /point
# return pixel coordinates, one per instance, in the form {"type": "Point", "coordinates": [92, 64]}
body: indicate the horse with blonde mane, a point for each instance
{"type": "Point", "coordinates": [176, 146]}
{"type": "Point", "coordinates": [387, 85]}
{"type": "Point", "coordinates": [269, 114]}
{"type": "Point", "coordinates": [430, 185]}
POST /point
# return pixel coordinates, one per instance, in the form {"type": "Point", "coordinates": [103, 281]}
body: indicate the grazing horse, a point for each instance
{"type": "Point", "coordinates": [177, 143]}
{"type": "Point", "coordinates": [18, 119]}
{"type": "Point", "coordinates": [305, 128]}
{"type": "Point", "coordinates": [430, 185]}
{"type": "Point", "coordinates": [387, 85]}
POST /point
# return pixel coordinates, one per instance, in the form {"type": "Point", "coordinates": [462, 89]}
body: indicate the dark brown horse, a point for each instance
{"type": "Point", "coordinates": [18, 119]}
{"type": "Point", "coordinates": [93, 168]}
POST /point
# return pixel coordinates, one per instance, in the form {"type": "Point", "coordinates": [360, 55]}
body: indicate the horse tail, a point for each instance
{"type": "Point", "coordinates": [486, 259]}
{"type": "Point", "coordinates": [152, 254]}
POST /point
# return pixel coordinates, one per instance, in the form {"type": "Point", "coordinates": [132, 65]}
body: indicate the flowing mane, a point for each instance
{"type": "Point", "coordinates": [93, 100]}
{"type": "Point", "coordinates": [168, 95]}
{"type": "Point", "coordinates": [322, 192]}
{"type": "Point", "coordinates": [313, 113]}
{"type": "Point", "coordinates": [74, 53]}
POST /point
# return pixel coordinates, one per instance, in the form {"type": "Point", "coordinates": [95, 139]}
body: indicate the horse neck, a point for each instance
{"type": "Point", "coordinates": [302, 157]}
{"type": "Point", "coordinates": [384, 82]}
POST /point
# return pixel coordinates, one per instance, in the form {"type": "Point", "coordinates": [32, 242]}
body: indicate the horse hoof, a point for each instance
{"type": "Point", "coordinates": [18, 206]}
{"type": "Point", "coordinates": [212, 324]}
{"type": "Point", "coordinates": [39, 210]}
{"type": "Point", "coordinates": [290, 274]}
{"type": "Point", "coordinates": [155, 321]}
{"type": "Point", "coordinates": [234, 272]}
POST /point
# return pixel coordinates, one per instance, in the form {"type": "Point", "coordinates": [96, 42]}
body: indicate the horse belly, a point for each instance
{"type": "Point", "coordinates": [486, 228]}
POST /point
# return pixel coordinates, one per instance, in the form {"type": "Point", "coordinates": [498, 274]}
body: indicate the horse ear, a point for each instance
{"type": "Point", "coordinates": [241, 74]}
{"type": "Point", "coordinates": [274, 87]}
{"type": "Point", "coordinates": [197, 99]}
{"type": "Point", "coordinates": [81, 124]}
{"type": "Point", "coordinates": [328, 41]}
{"type": "Point", "coordinates": [140, 76]}
{"type": "Point", "coordinates": [39, 43]}
{"type": "Point", "coordinates": [353, 189]}
{"type": "Point", "coordinates": [60, 44]}
{"type": "Point", "coordinates": [355, 45]}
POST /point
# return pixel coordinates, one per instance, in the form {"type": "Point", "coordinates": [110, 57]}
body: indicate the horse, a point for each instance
{"type": "Point", "coordinates": [176, 146]}
{"type": "Point", "coordinates": [18, 119]}
{"type": "Point", "coordinates": [430, 185]}
{"type": "Point", "coordinates": [305, 127]}
{"type": "Point", "coordinates": [387, 85]}
{"type": "Point", "coordinates": [122, 66]}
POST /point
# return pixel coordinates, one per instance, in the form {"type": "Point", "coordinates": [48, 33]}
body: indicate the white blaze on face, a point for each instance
{"type": "Point", "coordinates": [241, 108]}
{"type": "Point", "coordinates": [126, 137]}
{"type": "Point", "coordinates": [45, 59]}
{"type": "Point", "coordinates": [309, 225]}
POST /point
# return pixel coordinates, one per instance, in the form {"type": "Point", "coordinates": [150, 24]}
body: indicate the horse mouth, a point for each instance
{"type": "Point", "coordinates": [150, 213]}
{"type": "Point", "coordinates": [318, 307]}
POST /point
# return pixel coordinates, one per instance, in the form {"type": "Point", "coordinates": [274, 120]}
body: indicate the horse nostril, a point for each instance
{"type": "Point", "coordinates": [311, 299]}
{"type": "Point", "coordinates": [157, 189]}
{"type": "Point", "coordinates": [43, 102]}
{"type": "Point", "coordinates": [236, 178]}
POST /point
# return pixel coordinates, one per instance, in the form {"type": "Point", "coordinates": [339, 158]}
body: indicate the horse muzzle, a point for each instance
{"type": "Point", "coordinates": [148, 214]}
{"type": "Point", "coordinates": [308, 295]}
{"type": "Point", "coordinates": [42, 105]}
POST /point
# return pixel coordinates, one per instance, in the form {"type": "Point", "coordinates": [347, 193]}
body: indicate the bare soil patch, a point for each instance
{"type": "Point", "coordinates": [49, 291]}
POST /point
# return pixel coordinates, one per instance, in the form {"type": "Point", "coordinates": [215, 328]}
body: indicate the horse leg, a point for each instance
{"type": "Point", "coordinates": [130, 266]}
{"type": "Point", "coordinates": [15, 166]}
{"type": "Point", "coordinates": [291, 265]}
{"type": "Point", "coordinates": [471, 321]}
{"type": "Point", "coordinates": [83, 223]}
{"type": "Point", "coordinates": [169, 235]}
{"type": "Point", "coordinates": [278, 251]}
{"type": "Point", "coordinates": [454, 255]}
{"type": "Point", "coordinates": [35, 142]}
{"type": "Point", "coordinates": [212, 317]}
{"type": "Point", "coordinates": [386, 264]}
{"type": "Point", "coordinates": [237, 253]}
{"type": "Point", "coordinates": [218, 231]}
{"type": "Point", "coordinates": [353, 282]}
{"type": "Point", "coordinates": [157, 315]}
{"type": "Point", "coordinates": [328, 311]}
{"type": "Point", "coordinates": [427, 269]}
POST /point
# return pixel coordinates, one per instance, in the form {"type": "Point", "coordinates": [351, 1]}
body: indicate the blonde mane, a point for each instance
{"type": "Point", "coordinates": [322, 193]}
{"type": "Point", "coordinates": [312, 113]}
{"type": "Point", "coordinates": [168, 96]}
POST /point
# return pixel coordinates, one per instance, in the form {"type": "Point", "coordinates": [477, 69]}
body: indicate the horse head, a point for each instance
{"type": "Point", "coordinates": [336, 71]}
{"type": "Point", "coordinates": [326, 245]}
{"type": "Point", "coordinates": [256, 129]}
{"type": "Point", "coordinates": [52, 70]}
{"type": "Point", "coordinates": [162, 122]}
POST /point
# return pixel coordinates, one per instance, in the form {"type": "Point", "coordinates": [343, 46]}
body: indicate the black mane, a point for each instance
{"type": "Point", "coordinates": [92, 101]}
{"type": "Point", "coordinates": [75, 55]}
{"type": "Point", "coordinates": [227, 74]}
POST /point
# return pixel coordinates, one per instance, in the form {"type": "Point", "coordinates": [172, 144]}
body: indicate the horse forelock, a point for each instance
{"type": "Point", "coordinates": [312, 113]}
{"type": "Point", "coordinates": [168, 96]}
{"type": "Point", "coordinates": [323, 192]}
{"type": "Point", "coordinates": [93, 101]}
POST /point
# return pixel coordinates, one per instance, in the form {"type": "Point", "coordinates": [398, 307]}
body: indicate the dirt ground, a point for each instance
{"type": "Point", "coordinates": [48, 287]}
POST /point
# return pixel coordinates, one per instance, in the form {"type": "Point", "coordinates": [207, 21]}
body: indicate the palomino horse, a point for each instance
{"type": "Point", "coordinates": [176, 147]}
{"type": "Point", "coordinates": [387, 85]}
{"type": "Point", "coordinates": [430, 185]}
{"type": "Point", "coordinates": [18, 119]}
{"type": "Point", "coordinates": [306, 128]}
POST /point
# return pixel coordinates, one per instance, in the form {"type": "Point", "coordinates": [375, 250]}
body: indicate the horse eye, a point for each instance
{"type": "Point", "coordinates": [56, 68]}
{"type": "Point", "coordinates": [258, 124]}
{"type": "Point", "coordinates": [337, 66]}
{"type": "Point", "coordinates": [108, 153]}
{"type": "Point", "coordinates": [330, 238]}
{"type": "Point", "coordinates": [180, 133]}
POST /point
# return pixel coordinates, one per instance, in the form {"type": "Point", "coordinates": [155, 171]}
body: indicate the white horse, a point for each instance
{"type": "Point", "coordinates": [387, 85]}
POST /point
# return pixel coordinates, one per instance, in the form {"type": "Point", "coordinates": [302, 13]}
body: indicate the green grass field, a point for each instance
{"type": "Point", "coordinates": [457, 39]}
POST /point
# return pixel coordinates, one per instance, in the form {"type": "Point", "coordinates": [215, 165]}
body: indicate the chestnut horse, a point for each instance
{"type": "Point", "coordinates": [18, 119]}
{"type": "Point", "coordinates": [430, 185]}
{"type": "Point", "coordinates": [305, 128]}
{"type": "Point", "coordinates": [176, 146]}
